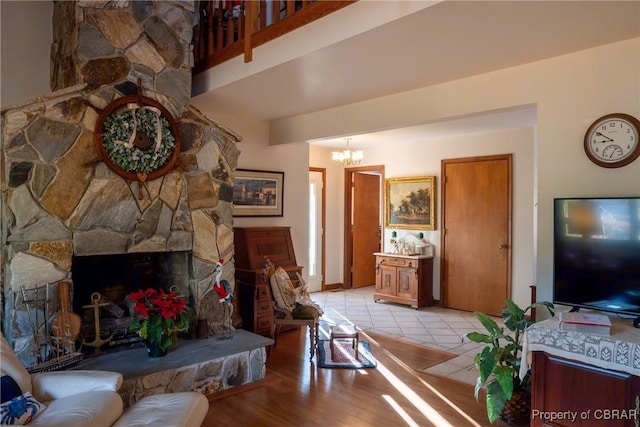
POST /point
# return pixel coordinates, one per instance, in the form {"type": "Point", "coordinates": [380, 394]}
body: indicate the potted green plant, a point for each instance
{"type": "Point", "coordinates": [507, 395]}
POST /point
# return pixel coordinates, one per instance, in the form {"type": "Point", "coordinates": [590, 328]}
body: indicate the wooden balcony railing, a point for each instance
{"type": "Point", "coordinates": [227, 29]}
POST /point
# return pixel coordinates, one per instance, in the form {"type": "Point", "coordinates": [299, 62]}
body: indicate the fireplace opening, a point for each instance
{"type": "Point", "coordinates": [113, 277]}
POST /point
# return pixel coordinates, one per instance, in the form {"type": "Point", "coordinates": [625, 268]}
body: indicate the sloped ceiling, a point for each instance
{"type": "Point", "coordinates": [447, 41]}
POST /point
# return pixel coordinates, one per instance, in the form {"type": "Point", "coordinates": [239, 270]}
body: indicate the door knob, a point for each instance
{"type": "Point", "coordinates": [502, 246]}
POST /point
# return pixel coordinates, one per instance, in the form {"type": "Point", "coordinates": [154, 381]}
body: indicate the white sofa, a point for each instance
{"type": "Point", "coordinates": [79, 398]}
{"type": "Point", "coordinates": [72, 398]}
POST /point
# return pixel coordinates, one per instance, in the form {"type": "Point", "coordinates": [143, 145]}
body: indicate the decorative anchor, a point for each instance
{"type": "Point", "coordinates": [96, 304]}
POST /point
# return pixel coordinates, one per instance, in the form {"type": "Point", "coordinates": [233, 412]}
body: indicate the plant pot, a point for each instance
{"type": "Point", "coordinates": [154, 350]}
{"type": "Point", "coordinates": [517, 410]}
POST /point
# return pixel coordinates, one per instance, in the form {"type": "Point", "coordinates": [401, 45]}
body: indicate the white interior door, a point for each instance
{"type": "Point", "coordinates": [315, 231]}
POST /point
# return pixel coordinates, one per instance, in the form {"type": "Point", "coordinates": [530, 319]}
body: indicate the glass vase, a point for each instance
{"type": "Point", "coordinates": [154, 350]}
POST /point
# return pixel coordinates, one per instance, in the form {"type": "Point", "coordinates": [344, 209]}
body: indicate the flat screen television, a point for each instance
{"type": "Point", "coordinates": [596, 254]}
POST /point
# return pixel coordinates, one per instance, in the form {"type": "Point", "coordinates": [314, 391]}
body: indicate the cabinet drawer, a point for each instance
{"type": "Point", "coordinates": [262, 293]}
{"type": "Point", "coordinates": [263, 307]}
{"type": "Point", "coordinates": [397, 262]}
{"type": "Point", "coordinates": [263, 323]}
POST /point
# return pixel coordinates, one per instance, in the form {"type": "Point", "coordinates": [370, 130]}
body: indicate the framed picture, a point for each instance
{"type": "Point", "coordinates": [410, 203]}
{"type": "Point", "coordinates": [258, 193]}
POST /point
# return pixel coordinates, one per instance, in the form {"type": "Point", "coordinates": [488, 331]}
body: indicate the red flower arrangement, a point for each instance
{"type": "Point", "coordinates": [159, 316]}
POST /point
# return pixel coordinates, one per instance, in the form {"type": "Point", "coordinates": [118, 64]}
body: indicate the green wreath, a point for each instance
{"type": "Point", "coordinates": [118, 130]}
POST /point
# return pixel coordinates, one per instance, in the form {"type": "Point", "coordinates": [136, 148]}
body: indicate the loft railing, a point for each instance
{"type": "Point", "coordinates": [226, 29]}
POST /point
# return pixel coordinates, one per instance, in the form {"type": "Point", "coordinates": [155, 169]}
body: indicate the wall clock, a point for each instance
{"type": "Point", "coordinates": [612, 140]}
{"type": "Point", "coordinates": [137, 138]}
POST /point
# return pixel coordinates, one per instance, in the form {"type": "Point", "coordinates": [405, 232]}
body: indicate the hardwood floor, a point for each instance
{"type": "Point", "coordinates": [297, 393]}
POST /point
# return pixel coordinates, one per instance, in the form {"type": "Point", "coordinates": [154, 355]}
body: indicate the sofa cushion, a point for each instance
{"type": "Point", "coordinates": [11, 365]}
{"type": "Point", "coordinates": [184, 409]}
{"type": "Point", "coordinates": [9, 388]}
{"type": "Point", "coordinates": [306, 312]}
{"type": "Point", "coordinates": [57, 384]}
{"type": "Point", "coordinates": [283, 291]}
{"type": "Point", "coordinates": [20, 410]}
{"type": "Point", "coordinates": [303, 297]}
{"type": "Point", "coordinates": [92, 409]}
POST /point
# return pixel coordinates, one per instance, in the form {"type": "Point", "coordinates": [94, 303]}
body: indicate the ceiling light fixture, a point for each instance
{"type": "Point", "coordinates": [347, 157]}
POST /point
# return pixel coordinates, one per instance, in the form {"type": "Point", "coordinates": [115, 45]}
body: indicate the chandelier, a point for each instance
{"type": "Point", "coordinates": [347, 157]}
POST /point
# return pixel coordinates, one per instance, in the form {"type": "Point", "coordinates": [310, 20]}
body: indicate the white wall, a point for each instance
{"type": "Point", "coordinates": [569, 93]}
{"type": "Point", "coordinates": [423, 159]}
{"type": "Point", "coordinates": [334, 222]}
{"type": "Point", "coordinates": [293, 160]}
{"type": "Point", "coordinates": [25, 40]}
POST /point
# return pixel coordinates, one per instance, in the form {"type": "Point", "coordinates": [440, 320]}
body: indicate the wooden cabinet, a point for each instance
{"type": "Point", "coordinates": [405, 279]}
{"type": "Point", "coordinates": [597, 396]}
{"type": "Point", "coordinates": [255, 307]}
{"type": "Point", "coordinates": [252, 246]}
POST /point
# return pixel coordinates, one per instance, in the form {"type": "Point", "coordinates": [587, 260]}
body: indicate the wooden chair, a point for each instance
{"type": "Point", "coordinates": [312, 324]}
{"type": "Point", "coordinates": [292, 314]}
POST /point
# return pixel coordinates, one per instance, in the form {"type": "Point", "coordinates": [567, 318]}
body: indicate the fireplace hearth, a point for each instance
{"type": "Point", "coordinates": [205, 365]}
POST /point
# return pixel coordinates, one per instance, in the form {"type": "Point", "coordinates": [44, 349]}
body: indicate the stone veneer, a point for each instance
{"type": "Point", "coordinates": [206, 366]}
{"type": "Point", "coordinates": [206, 377]}
{"type": "Point", "coordinates": [60, 200]}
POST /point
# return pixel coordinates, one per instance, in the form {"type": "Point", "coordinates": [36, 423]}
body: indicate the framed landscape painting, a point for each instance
{"type": "Point", "coordinates": [410, 203]}
{"type": "Point", "coordinates": [258, 193]}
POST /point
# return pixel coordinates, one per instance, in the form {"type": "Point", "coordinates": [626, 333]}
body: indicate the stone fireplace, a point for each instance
{"type": "Point", "coordinates": [61, 204]}
{"type": "Point", "coordinates": [113, 277]}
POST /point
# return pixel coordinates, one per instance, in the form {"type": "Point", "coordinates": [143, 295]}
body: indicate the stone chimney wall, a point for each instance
{"type": "Point", "coordinates": [59, 199]}
{"type": "Point", "coordinates": [118, 42]}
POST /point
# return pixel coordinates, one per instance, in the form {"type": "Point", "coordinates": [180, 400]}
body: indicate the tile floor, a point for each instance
{"type": "Point", "coordinates": [435, 327]}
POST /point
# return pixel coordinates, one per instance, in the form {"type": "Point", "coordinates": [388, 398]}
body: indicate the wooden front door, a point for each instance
{"type": "Point", "coordinates": [365, 228]}
{"type": "Point", "coordinates": [476, 238]}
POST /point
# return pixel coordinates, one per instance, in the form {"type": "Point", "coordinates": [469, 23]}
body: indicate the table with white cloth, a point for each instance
{"type": "Point", "coordinates": [619, 351]}
{"type": "Point", "coordinates": [583, 379]}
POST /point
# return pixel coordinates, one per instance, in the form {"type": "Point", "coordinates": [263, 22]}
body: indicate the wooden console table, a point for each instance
{"type": "Point", "coordinates": [583, 379]}
{"type": "Point", "coordinates": [405, 279]}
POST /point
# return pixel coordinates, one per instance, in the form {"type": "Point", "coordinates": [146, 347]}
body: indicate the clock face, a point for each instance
{"type": "Point", "coordinates": [612, 140]}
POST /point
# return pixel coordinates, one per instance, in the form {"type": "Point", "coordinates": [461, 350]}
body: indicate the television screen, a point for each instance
{"type": "Point", "coordinates": [596, 254]}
